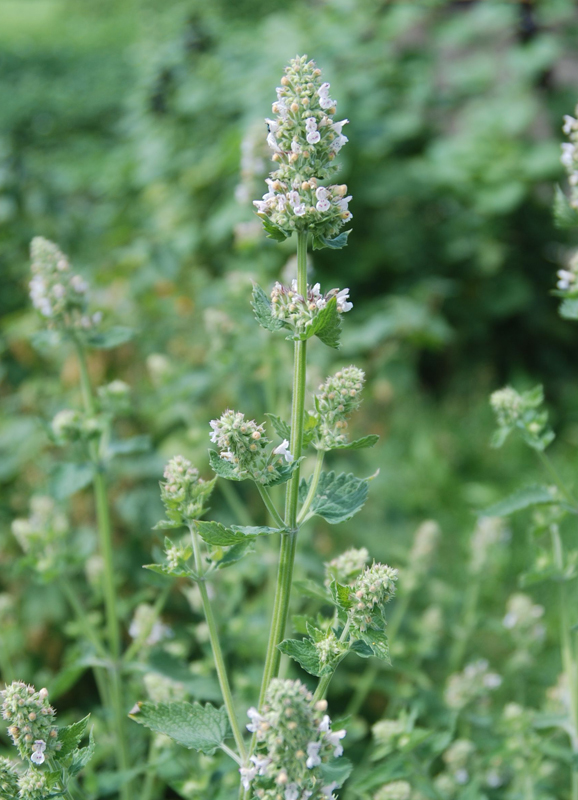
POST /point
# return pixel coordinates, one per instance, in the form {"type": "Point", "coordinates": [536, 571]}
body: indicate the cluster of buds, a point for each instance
{"type": "Point", "coordinates": [244, 444]}
{"type": "Point", "coordinates": [146, 626]}
{"type": "Point", "coordinates": [30, 720]}
{"type": "Point", "coordinates": [346, 567]}
{"type": "Point", "coordinates": [394, 790]}
{"type": "Point", "coordinates": [472, 684]}
{"type": "Point", "coordinates": [8, 779]}
{"type": "Point", "coordinates": [569, 157]}
{"type": "Point", "coordinates": [329, 649]}
{"type": "Point", "coordinates": [371, 591]}
{"type": "Point", "coordinates": [33, 785]}
{"type": "Point", "coordinates": [70, 425]}
{"type": "Point", "coordinates": [522, 412]}
{"type": "Point", "coordinates": [338, 397]}
{"type": "Point", "coordinates": [304, 139]}
{"type": "Point", "coordinates": [298, 311]}
{"type": "Point", "coordinates": [56, 291]}
{"type": "Point", "coordinates": [488, 539]}
{"type": "Point", "coordinates": [183, 492]}
{"type": "Point", "coordinates": [42, 534]}
{"type": "Point", "coordinates": [295, 739]}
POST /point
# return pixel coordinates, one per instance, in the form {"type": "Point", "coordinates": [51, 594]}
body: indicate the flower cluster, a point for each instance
{"type": "Point", "coordinates": [395, 790]}
{"type": "Point", "coordinates": [56, 291]}
{"type": "Point", "coordinates": [244, 444]}
{"type": "Point", "coordinates": [473, 683]}
{"type": "Point", "coordinates": [522, 412]}
{"type": "Point", "coordinates": [30, 720]}
{"type": "Point", "coordinates": [346, 567]}
{"type": "Point", "coordinates": [295, 739]}
{"type": "Point", "coordinates": [8, 779]}
{"type": "Point", "coordinates": [70, 425]}
{"type": "Point", "coordinates": [183, 492]}
{"type": "Point", "coordinates": [569, 156]}
{"type": "Point", "coordinates": [42, 534]}
{"type": "Point", "coordinates": [161, 689]}
{"type": "Point", "coordinates": [338, 397]}
{"type": "Point", "coordinates": [298, 311]}
{"type": "Point", "coordinates": [33, 786]}
{"type": "Point", "coordinates": [371, 591]}
{"type": "Point", "coordinates": [305, 140]}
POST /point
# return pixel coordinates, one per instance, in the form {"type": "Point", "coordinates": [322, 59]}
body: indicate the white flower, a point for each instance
{"type": "Point", "coordinates": [313, 759]}
{"type": "Point", "coordinates": [326, 102]}
{"type": "Point", "coordinates": [338, 143]}
{"type": "Point", "coordinates": [283, 450]}
{"type": "Point", "coordinates": [247, 775]}
{"type": "Point", "coordinates": [492, 680]}
{"type": "Point", "coordinates": [323, 90]}
{"type": "Point", "coordinates": [333, 737]}
{"type": "Point", "coordinates": [310, 124]}
{"type": "Point", "coordinates": [323, 205]}
{"type": "Point", "coordinates": [342, 302]}
{"type": "Point", "coordinates": [226, 455]}
{"type": "Point", "coordinates": [294, 199]}
{"type": "Point", "coordinates": [261, 763]}
{"type": "Point", "coordinates": [273, 125]}
{"type": "Point", "coordinates": [461, 776]}
{"type": "Point", "coordinates": [321, 194]}
{"type": "Point", "coordinates": [281, 202]}
{"type": "Point", "coordinates": [78, 284]}
{"type": "Point", "coordinates": [569, 123]}
{"type": "Point", "coordinates": [313, 137]}
{"type": "Point", "coordinates": [58, 291]}
{"type": "Point", "coordinates": [328, 790]}
{"type": "Point", "coordinates": [343, 203]}
{"type": "Point", "coordinates": [38, 747]}
{"type": "Point", "coordinates": [255, 718]}
{"type": "Point", "coordinates": [291, 791]}
{"type": "Point", "coordinates": [300, 210]}
{"type": "Point", "coordinates": [337, 126]}
{"type": "Point", "coordinates": [325, 724]}
{"type": "Point", "coordinates": [295, 147]}
{"type": "Point", "coordinates": [567, 157]}
{"type": "Point", "coordinates": [261, 207]}
{"type": "Point", "coordinates": [272, 142]}
{"type": "Point", "coordinates": [510, 620]}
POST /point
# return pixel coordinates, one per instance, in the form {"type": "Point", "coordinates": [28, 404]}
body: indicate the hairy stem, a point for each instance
{"type": "Point", "coordinates": [313, 488]}
{"type": "Point", "coordinates": [270, 506]}
{"type": "Point", "coordinates": [216, 647]}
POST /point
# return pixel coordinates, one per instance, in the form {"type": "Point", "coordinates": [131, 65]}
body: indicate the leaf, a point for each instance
{"type": "Point", "coordinates": [215, 534]}
{"type": "Point", "coordinates": [224, 469]}
{"type": "Point", "coordinates": [113, 337]}
{"type": "Point", "coordinates": [533, 495]}
{"type": "Point", "coordinates": [569, 308]}
{"type": "Point", "coordinates": [254, 530]}
{"type": "Point", "coordinates": [341, 595]}
{"type": "Point", "coordinates": [197, 727]}
{"type": "Point", "coordinates": [44, 339]}
{"type": "Point", "coordinates": [564, 215]}
{"type": "Point", "coordinates": [338, 498]}
{"type": "Point", "coordinates": [67, 479]}
{"type": "Point", "coordinates": [285, 472]}
{"type": "Point", "coordinates": [336, 771]}
{"type": "Point", "coordinates": [377, 642]}
{"type": "Point", "coordinates": [359, 444]}
{"type": "Point", "coordinates": [319, 242]}
{"type": "Point", "coordinates": [311, 589]}
{"type": "Point", "coordinates": [282, 429]}
{"type": "Point", "coordinates": [262, 310]}
{"type": "Point", "coordinates": [236, 553]}
{"type": "Point", "coordinates": [361, 648]}
{"type": "Point", "coordinates": [182, 571]}
{"type": "Point", "coordinates": [70, 736]}
{"type": "Point", "coordinates": [306, 654]}
{"type": "Point", "coordinates": [326, 324]}
{"type": "Point", "coordinates": [273, 232]}
{"type": "Point", "coordinates": [82, 756]}
{"type": "Point", "coordinates": [136, 444]}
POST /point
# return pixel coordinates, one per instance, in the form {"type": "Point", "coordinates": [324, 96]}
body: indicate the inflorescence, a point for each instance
{"type": "Point", "coordinates": [183, 492]}
{"type": "Point", "coordinates": [30, 720]}
{"type": "Point", "coordinates": [338, 397]}
{"type": "Point", "coordinates": [298, 311]}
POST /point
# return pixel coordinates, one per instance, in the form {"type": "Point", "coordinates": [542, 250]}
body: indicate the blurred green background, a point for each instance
{"type": "Point", "coordinates": [132, 134]}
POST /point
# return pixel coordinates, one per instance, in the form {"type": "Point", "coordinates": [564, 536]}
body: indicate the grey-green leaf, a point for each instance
{"type": "Point", "coordinates": [82, 756]}
{"type": "Point", "coordinates": [338, 497]}
{"type": "Point", "coordinates": [262, 310]}
{"type": "Point", "coordinates": [282, 429]}
{"type": "Point", "coordinates": [70, 736]}
{"type": "Point", "coordinates": [273, 231]}
{"type": "Point", "coordinates": [569, 308]}
{"type": "Point", "coordinates": [224, 469]}
{"type": "Point", "coordinates": [217, 535]}
{"type": "Point", "coordinates": [533, 495]}
{"type": "Point", "coordinates": [377, 641]}
{"type": "Point", "coordinates": [319, 242]}
{"type": "Point", "coordinates": [327, 324]}
{"type": "Point", "coordinates": [135, 444]}
{"type": "Point", "coordinates": [192, 725]}
{"type": "Point", "coordinates": [359, 444]}
{"type": "Point", "coordinates": [70, 478]}
{"type": "Point", "coordinates": [306, 654]}
{"type": "Point", "coordinates": [113, 337]}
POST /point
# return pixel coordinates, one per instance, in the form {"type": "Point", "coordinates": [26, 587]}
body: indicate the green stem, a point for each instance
{"type": "Point", "coordinates": [313, 488]}
{"type": "Point", "coordinates": [266, 497]}
{"type": "Point", "coordinates": [216, 647]}
{"type": "Point", "coordinates": [324, 682]}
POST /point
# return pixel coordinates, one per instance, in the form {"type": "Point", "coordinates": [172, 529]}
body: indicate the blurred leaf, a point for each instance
{"type": "Point", "coordinates": [113, 337]}
{"type": "Point", "coordinates": [564, 215]}
{"type": "Point", "coordinates": [67, 479]}
{"type": "Point", "coordinates": [522, 498]}
{"type": "Point", "coordinates": [136, 444]}
{"type": "Point", "coordinates": [359, 444]}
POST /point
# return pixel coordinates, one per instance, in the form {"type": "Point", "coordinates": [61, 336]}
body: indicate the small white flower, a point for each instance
{"type": "Point", "coordinates": [300, 210]}
{"type": "Point", "coordinates": [283, 450]}
{"type": "Point", "coordinates": [260, 206]}
{"type": "Point", "coordinates": [342, 302]}
{"type": "Point", "coordinates": [492, 680]}
{"type": "Point", "coordinates": [37, 757]}
{"type": "Point", "coordinates": [333, 737]}
{"type": "Point", "coordinates": [261, 763]}
{"type": "Point", "coordinates": [273, 125]}
{"type": "Point", "coordinates": [328, 790]}
{"type": "Point", "coordinates": [58, 291]}
{"type": "Point", "coordinates": [337, 126]}
{"type": "Point", "coordinates": [338, 143]}
{"type": "Point", "coordinates": [78, 284]}
{"type": "Point", "coordinates": [313, 759]}
{"type": "Point", "coordinates": [321, 193]}
{"type": "Point", "coordinates": [461, 776]}
{"type": "Point", "coordinates": [295, 147]}
{"type": "Point", "coordinates": [310, 124]}
{"type": "Point", "coordinates": [281, 202]}
{"type": "Point", "coordinates": [510, 620]}
{"type": "Point", "coordinates": [255, 718]}
{"type": "Point", "coordinates": [294, 199]}
{"type": "Point", "coordinates": [343, 203]}
{"type": "Point", "coordinates": [567, 157]}
{"type": "Point", "coordinates": [325, 724]}
{"type": "Point", "coordinates": [291, 791]}
{"type": "Point", "coordinates": [226, 455]}
{"type": "Point", "coordinates": [272, 142]}
{"type": "Point", "coordinates": [326, 102]}
{"type": "Point", "coordinates": [247, 775]}
{"type": "Point", "coordinates": [323, 205]}
{"type": "Point", "coordinates": [313, 137]}
{"type": "Point", "coordinates": [569, 123]}
{"type": "Point", "coordinates": [323, 90]}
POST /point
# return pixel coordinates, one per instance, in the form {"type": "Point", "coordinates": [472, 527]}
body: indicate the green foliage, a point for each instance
{"type": "Point", "coordinates": [522, 498]}
{"type": "Point", "coordinates": [191, 725]}
{"type": "Point", "coordinates": [262, 309]}
{"type": "Point", "coordinates": [338, 497]}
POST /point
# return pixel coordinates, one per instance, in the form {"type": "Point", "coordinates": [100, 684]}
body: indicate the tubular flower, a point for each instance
{"type": "Point", "coordinates": [298, 311]}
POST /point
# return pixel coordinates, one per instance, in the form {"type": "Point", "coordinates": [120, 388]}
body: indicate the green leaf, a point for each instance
{"type": "Point", "coordinates": [361, 648]}
{"type": "Point", "coordinates": [319, 242]}
{"type": "Point", "coordinates": [311, 589]}
{"type": "Point", "coordinates": [569, 308]}
{"type": "Point", "coordinates": [254, 530]}
{"type": "Point", "coordinates": [377, 642]}
{"type": "Point", "coordinates": [197, 727]}
{"type": "Point", "coordinates": [338, 498]}
{"type": "Point", "coordinates": [113, 337]}
{"type": "Point", "coordinates": [533, 495]}
{"type": "Point", "coordinates": [182, 571]}
{"type": "Point", "coordinates": [309, 426]}
{"type": "Point", "coordinates": [326, 324]}
{"type": "Point", "coordinates": [224, 469]}
{"type": "Point", "coordinates": [274, 232]}
{"type": "Point", "coordinates": [136, 444]}
{"type": "Point", "coordinates": [282, 429]}
{"type": "Point", "coordinates": [67, 479]}
{"type": "Point", "coordinates": [564, 215]}
{"type": "Point", "coordinates": [82, 756]}
{"type": "Point", "coordinates": [236, 553]}
{"type": "Point", "coordinates": [285, 471]}
{"type": "Point", "coordinates": [341, 595]}
{"type": "Point", "coordinates": [359, 444]}
{"type": "Point", "coordinates": [70, 737]}
{"type": "Point", "coordinates": [262, 310]}
{"type": "Point", "coordinates": [306, 654]}
{"type": "Point", "coordinates": [336, 771]}
{"type": "Point", "coordinates": [217, 535]}
{"type": "Point", "coordinates": [45, 340]}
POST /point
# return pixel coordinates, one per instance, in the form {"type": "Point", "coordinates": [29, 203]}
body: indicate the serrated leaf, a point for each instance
{"type": "Point", "coordinates": [326, 324]}
{"type": "Point", "coordinates": [273, 231]}
{"type": "Point", "coordinates": [336, 771]}
{"type": "Point", "coordinates": [69, 737]}
{"type": "Point", "coordinates": [361, 648]}
{"type": "Point", "coordinates": [285, 471]}
{"type": "Point", "coordinates": [282, 429]}
{"type": "Point", "coordinates": [306, 654]}
{"type": "Point", "coordinates": [256, 530]}
{"type": "Point", "coordinates": [262, 310]}
{"type": "Point", "coordinates": [194, 726]}
{"type": "Point", "coordinates": [136, 444]}
{"type": "Point", "coordinates": [341, 595]}
{"type": "Point", "coordinates": [113, 337]}
{"type": "Point", "coordinates": [217, 535]}
{"type": "Point", "coordinates": [82, 756]}
{"type": "Point", "coordinates": [67, 479]}
{"type": "Point", "coordinates": [359, 444]}
{"type": "Point", "coordinates": [311, 589]}
{"type": "Point", "coordinates": [533, 495]}
{"type": "Point", "coordinates": [338, 498]}
{"type": "Point", "coordinates": [564, 215]}
{"type": "Point", "coordinates": [378, 642]}
{"type": "Point", "coordinates": [236, 553]}
{"type": "Point", "coordinates": [224, 469]}
{"type": "Point", "coordinates": [319, 242]}
{"type": "Point", "coordinates": [569, 308]}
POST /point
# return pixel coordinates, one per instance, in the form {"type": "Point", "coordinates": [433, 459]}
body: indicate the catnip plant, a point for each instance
{"type": "Point", "coordinates": [294, 753]}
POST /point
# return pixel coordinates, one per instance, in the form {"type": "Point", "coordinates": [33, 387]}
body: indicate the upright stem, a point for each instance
{"type": "Point", "coordinates": [313, 488]}
{"type": "Point", "coordinates": [216, 647]}
{"type": "Point", "coordinates": [289, 539]}
{"type": "Point", "coordinates": [105, 543]}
